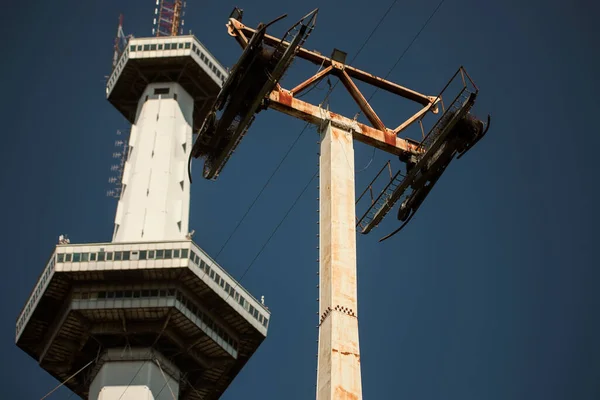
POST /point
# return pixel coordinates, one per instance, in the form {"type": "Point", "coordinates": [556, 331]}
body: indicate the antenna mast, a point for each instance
{"type": "Point", "coordinates": [117, 48]}
{"type": "Point", "coordinates": [120, 42]}
{"type": "Point", "coordinates": [169, 17]}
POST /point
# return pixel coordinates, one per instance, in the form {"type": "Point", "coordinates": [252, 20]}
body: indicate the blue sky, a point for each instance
{"type": "Point", "coordinates": [490, 293]}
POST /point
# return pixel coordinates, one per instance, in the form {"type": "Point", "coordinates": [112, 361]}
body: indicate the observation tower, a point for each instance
{"type": "Point", "coordinates": [148, 315]}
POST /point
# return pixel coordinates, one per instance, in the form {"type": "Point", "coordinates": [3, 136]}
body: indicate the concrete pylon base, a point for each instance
{"type": "Point", "coordinates": [338, 376]}
{"type": "Point", "coordinates": [134, 374]}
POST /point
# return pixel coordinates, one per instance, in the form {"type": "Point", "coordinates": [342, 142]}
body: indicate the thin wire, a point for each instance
{"type": "Point", "coordinates": [362, 47]}
{"type": "Point", "coordinates": [370, 161]}
{"type": "Point", "coordinates": [262, 190]}
{"type": "Point", "coordinates": [374, 29]}
{"type": "Point", "coordinates": [279, 224]}
{"type": "Point", "coordinates": [409, 45]}
{"type": "Point", "coordinates": [149, 352]}
{"type": "Point", "coordinates": [313, 86]}
{"type": "Point", "coordinates": [271, 177]}
{"type": "Point", "coordinates": [136, 374]}
{"type": "Point", "coordinates": [161, 389]}
{"type": "Point", "coordinates": [132, 379]}
{"type": "Point", "coordinates": [396, 64]}
{"type": "Point", "coordinates": [68, 379]}
{"type": "Point", "coordinates": [190, 384]}
{"type": "Point", "coordinates": [165, 377]}
{"type": "Point", "coordinates": [332, 88]}
{"type": "Point", "coordinates": [237, 283]}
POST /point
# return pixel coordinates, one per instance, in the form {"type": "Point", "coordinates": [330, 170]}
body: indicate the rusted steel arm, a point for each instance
{"type": "Point", "coordinates": [363, 104]}
{"type": "Point", "coordinates": [283, 101]}
{"type": "Point", "coordinates": [241, 32]}
{"type": "Point", "coordinates": [313, 79]}
{"type": "Point", "coordinates": [239, 36]}
{"type": "Point", "coordinates": [415, 117]}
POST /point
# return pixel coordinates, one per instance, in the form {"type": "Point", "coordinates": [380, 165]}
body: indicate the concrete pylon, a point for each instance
{"type": "Point", "coordinates": [338, 371]}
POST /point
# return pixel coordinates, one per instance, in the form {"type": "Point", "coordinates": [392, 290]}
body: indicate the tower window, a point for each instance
{"type": "Point", "coordinates": [161, 91]}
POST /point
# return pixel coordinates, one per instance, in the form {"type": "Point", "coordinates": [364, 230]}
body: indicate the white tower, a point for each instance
{"type": "Point", "coordinates": [149, 315]}
{"type": "Point", "coordinates": [155, 197]}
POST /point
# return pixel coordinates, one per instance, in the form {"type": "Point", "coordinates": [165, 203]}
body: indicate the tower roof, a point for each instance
{"type": "Point", "coordinates": [181, 59]}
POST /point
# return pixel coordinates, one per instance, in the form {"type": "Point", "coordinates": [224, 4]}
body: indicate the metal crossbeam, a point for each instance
{"type": "Point", "coordinates": [377, 135]}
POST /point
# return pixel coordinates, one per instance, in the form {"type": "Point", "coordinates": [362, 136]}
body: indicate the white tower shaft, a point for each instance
{"type": "Point", "coordinates": [155, 198]}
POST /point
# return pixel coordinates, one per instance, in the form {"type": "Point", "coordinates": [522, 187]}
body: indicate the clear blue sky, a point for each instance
{"type": "Point", "coordinates": [490, 293]}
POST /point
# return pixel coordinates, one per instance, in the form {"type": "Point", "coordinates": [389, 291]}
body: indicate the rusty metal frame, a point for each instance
{"type": "Point", "coordinates": [377, 135]}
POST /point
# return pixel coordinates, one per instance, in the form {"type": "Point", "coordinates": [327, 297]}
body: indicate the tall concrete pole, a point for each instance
{"type": "Point", "coordinates": [338, 371]}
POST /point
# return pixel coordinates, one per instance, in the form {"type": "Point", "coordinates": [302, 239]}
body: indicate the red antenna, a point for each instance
{"type": "Point", "coordinates": [169, 17]}
{"type": "Point", "coordinates": [120, 42]}
{"type": "Point", "coordinates": [117, 48]}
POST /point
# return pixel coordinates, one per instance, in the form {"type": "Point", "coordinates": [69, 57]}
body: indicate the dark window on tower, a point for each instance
{"type": "Point", "coordinates": [161, 91]}
{"type": "Point", "coordinates": [152, 47]}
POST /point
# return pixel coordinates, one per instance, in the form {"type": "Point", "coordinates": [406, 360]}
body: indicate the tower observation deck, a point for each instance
{"type": "Point", "coordinates": [148, 315]}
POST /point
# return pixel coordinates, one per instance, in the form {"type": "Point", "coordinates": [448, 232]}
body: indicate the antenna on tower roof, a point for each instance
{"type": "Point", "coordinates": [120, 42]}
{"type": "Point", "coordinates": [168, 20]}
